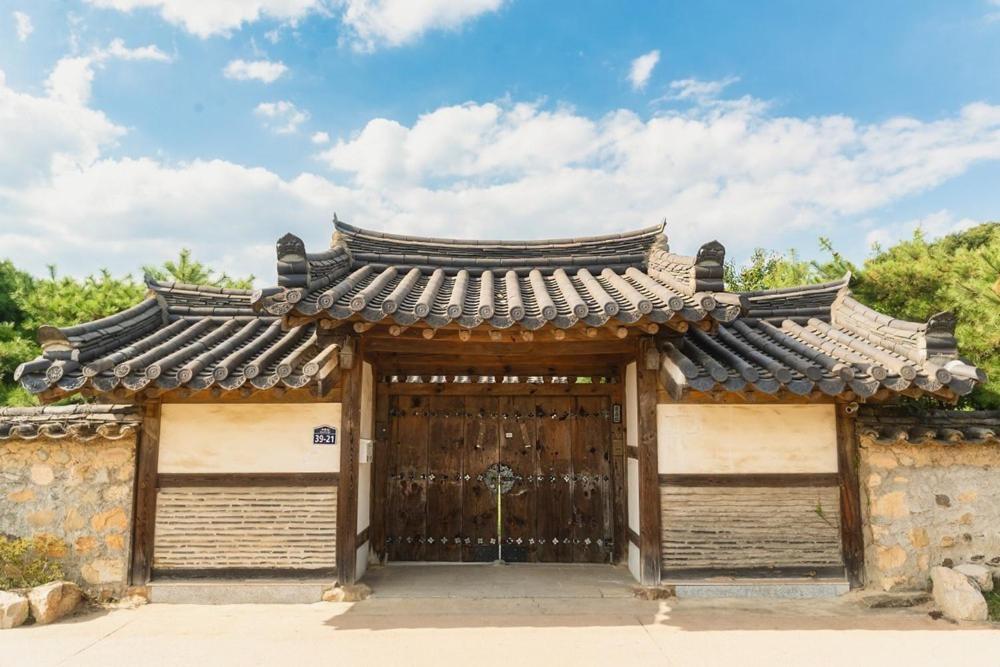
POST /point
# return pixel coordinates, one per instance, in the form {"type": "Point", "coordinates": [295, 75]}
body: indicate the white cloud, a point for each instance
{"type": "Point", "coordinates": [934, 225]}
{"type": "Point", "coordinates": [320, 138]}
{"type": "Point", "coordinates": [698, 89]}
{"type": "Point", "coordinates": [117, 49]}
{"type": "Point", "coordinates": [43, 133]}
{"type": "Point", "coordinates": [206, 18]}
{"type": "Point", "coordinates": [642, 69]}
{"type": "Point", "coordinates": [993, 16]}
{"type": "Point", "coordinates": [71, 78]}
{"type": "Point", "coordinates": [740, 173]}
{"type": "Point", "coordinates": [282, 117]}
{"type": "Point", "coordinates": [261, 70]}
{"type": "Point", "coordinates": [377, 23]}
{"type": "Point", "coordinates": [23, 25]}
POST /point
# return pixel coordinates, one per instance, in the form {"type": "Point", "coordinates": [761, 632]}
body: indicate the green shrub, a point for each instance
{"type": "Point", "coordinates": [29, 561]}
{"type": "Point", "coordinates": [993, 602]}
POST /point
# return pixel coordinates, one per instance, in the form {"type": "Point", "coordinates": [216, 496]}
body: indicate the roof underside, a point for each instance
{"type": "Point", "coordinates": [801, 340]}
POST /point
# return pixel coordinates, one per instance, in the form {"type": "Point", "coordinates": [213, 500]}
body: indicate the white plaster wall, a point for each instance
{"type": "Point", "coordinates": [631, 406]}
{"type": "Point", "coordinates": [699, 439]}
{"type": "Point", "coordinates": [246, 437]}
{"type": "Point", "coordinates": [632, 488]}
{"type": "Point", "coordinates": [632, 465]}
{"type": "Point", "coordinates": [366, 429]}
{"type": "Point", "coordinates": [361, 560]}
{"type": "Point", "coordinates": [633, 561]}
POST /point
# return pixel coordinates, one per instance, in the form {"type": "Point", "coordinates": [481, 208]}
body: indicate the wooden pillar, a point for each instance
{"type": "Point", "coordinates": [380, 470]}
{"type": "Point", "coordinates": [850, 498]}
{"type": "Point", "coordinates": [619, 472]}
{"type": "Point", "coordinates": [144, 497]}
{"type": "Point", "coordinates": [649, 481]}
{"type": "Point", "coordinates": [350, 442]}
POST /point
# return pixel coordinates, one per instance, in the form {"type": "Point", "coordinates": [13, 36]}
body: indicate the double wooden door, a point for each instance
{"type": "Point", "coordinates": [516, 478]}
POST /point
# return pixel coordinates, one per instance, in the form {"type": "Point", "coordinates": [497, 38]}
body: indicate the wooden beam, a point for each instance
{"type": "Point", "coordinates": [499, 389]}
{"type": "Point", "coordinates": [144, 496]}
{"type": "Point", "coordinates": [753, 480]}
{"type": "Point", "coordinates": [680, 326]}
{"type": "Point", "coordinates": [544, 348]}
{"type": "Point", "coordinates": [244, 479]}
{"type": "Point", "coordinates": [380, 469]}
{"type": "Point", "coordinates": [607, 365]}
{"type": "Point", "coordinates": [850, 496]}
{"type": "Point", "coordinates": [347, 491]}
{"type": "Point", "coordinates": [618, 458]}
{"type": "Point", "coordinates": [649, 483]}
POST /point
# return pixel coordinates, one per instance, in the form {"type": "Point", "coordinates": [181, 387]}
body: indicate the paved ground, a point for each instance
{"type": "Point", "coordinates": [401, 626]}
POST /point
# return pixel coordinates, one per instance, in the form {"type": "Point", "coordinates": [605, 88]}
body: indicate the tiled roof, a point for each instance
{"type": "Point", "coordinates": [819, 337]}
{"type": "Point", "coordinates": [180, 336]}
{"type": "Point", "coordinates": [80, 422]}
{"type": "Point", "coordinates": [500, 284]}
{"type": "Point", "coordinates": [888, 426]}
{"type": "Point", "coordinates": [801, 340]}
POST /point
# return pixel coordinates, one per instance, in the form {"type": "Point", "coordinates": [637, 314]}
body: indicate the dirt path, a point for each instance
{"type": "Point", "coordinates": [526, 631]}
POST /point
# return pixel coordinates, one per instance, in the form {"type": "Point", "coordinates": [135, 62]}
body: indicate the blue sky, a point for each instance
{"type": "Point", "coordinates": [135, 127]}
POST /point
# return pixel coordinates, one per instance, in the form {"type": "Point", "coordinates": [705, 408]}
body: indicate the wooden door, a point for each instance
{"type": "Point", "coordinates": [522, 478]}
{"type": "Point", "coordinates": [559, 507]}
{"type": "Point", "coordinates": [406, 509]}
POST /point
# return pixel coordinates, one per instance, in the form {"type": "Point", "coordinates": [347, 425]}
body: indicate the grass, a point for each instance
{"type": "Point", "coordinates": [993, 602]}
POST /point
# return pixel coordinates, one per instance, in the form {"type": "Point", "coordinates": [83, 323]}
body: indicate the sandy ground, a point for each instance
{"type": "Point", "coordinates": [396, 627]}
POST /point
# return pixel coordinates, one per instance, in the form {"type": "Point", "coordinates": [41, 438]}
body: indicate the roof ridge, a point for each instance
{"type": "Point", "coordinates": [176, 285]}
{"type": "Point", "coordinates": [349, 230]}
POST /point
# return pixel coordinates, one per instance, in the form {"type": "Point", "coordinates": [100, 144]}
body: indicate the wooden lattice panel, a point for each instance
{"type": "Point", "coordinates": [245, 527]}
{"type": "Point", "coordinates": [750, 527]}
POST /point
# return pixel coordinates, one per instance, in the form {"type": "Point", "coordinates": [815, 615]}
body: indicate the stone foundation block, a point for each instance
{"type": "Point", "coordinates": [53, 601]}
{"type": "Point", "coordinates": [13, 610]}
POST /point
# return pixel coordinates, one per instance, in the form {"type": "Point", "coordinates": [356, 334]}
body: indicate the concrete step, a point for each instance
{"type": "Point", "coordinates": [759, 588]}
{"type": "Point", "coordinates": [238, 591]}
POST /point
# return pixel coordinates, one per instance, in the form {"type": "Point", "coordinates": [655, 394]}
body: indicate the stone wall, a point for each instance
{"type": "Point", "coordinates": [930, 496]}
{"type": "Point", "coordinates": [72, 479]}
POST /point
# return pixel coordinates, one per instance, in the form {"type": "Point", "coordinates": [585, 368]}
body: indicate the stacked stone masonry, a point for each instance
{"type": "Point", "coordinates": [78, 492]}
{"type": "Point", "coordinates": [928, 501]}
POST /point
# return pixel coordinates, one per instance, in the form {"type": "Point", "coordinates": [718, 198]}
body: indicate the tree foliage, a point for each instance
{"type": "Point", "coordinates": [912, 280]}
{"type": "Point", "coordinates": [193, 272]}
{"type": "Point", "coordinates": [27, 303]}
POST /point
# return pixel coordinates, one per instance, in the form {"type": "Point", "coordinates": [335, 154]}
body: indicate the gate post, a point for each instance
{"type": "Point", "coordinates": [649, 480]}
{"type": "Point", "coordinates": [347, 491]}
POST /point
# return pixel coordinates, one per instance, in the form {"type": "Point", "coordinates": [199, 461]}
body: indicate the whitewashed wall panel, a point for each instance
{"type": "Point", "coordinates": [224, 438]}
{"type": "Point", "coordinates": [734, 439]}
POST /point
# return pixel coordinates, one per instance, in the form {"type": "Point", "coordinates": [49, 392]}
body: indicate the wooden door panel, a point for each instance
{"type": "Point", "coordinates": [445, 452]}
{"type": "Point", "coordinates": [559, 506]}
{"type": "Point", "coordinates": [592, 529]}
{"type": "Point", "coordinates": [519, 505]}
{"type": "Point", "coordinates": [479, 503]}
{"type": "Point", "coordinates": [407, 507]}
{"type": "Point", "coordinates": [554, 475]}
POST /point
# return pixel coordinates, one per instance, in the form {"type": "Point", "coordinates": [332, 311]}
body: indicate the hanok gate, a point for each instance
{"type": "Point", "coordinates": [576, 400]}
